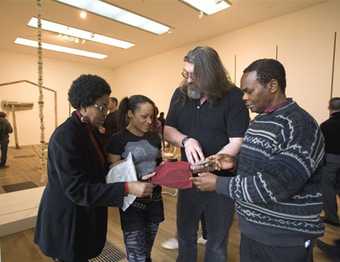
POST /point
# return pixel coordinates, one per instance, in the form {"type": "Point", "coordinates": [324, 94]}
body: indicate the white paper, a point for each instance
{"type": "Point", "coordinates": [125, 171]}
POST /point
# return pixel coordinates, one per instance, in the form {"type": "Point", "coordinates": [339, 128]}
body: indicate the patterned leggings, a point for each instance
{"type": "Point", "coordinates": [139, 243]}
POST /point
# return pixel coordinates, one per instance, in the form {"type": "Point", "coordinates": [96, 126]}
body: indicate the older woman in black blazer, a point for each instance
{"type": "Point", "coordinates": [72, 218]}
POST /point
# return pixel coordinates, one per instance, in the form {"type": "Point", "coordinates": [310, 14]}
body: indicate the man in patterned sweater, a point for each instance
{"type": "Point", "coordinates": [276, 189]}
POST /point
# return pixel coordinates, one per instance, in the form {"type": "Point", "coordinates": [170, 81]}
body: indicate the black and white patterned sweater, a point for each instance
{"type": "Point", "coordinates": [277, 186]}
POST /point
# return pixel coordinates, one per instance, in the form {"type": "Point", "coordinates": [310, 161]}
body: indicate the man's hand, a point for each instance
{"type": "Point", "coordinates": [140, 189]}
{"type": "Point", "coordinates": [205, 181]}
{"type": "Point", "coordinates": [193, 151]}
{"type": "Point", "coordinates": [223, 161]}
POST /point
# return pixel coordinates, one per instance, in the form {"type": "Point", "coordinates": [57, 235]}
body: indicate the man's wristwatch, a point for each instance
{"type": "Point", "coordinates": [184, 140]}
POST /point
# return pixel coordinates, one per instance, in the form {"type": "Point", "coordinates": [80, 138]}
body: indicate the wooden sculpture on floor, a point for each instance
{"type": "Point", "coordinates": [43, 146]}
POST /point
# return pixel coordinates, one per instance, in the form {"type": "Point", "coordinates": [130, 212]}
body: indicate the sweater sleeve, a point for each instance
{"type": "Point", "coordinates": [283, 175]}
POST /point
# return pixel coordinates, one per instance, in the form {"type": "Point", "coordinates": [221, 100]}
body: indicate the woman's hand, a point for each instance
{"type": "Point", "coordinates": [146, 177]}
{"type": "Point", "coordinates": [114, 159]}
{"type": "Point", "coordinates": [140, 189]}
{"type": "Point", "coordinates": [116, 163]}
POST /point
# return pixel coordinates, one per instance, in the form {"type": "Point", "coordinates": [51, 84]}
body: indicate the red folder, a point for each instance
{"type": "Point", "coordinates": [173, 174]}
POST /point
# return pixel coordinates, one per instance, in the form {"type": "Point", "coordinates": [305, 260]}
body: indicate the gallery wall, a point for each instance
{"type": "Point", "coordinates": [58, 75]}
{"type": "Point", "coordinates": [302, 41]}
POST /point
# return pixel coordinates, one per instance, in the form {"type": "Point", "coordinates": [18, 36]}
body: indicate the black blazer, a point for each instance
{"type": "Point", "coordinates": [331, 132]}
{"type": "Point", "coordinates": [72, 217]}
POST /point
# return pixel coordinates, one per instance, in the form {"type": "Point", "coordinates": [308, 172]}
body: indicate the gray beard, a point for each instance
{"type": "Point", "coordinates": [193, 92]}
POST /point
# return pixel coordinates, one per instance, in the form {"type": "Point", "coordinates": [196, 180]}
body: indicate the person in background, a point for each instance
{"type": "Point", "coordinates": [140, 221]}
{"type": "Point", "coordinates": [72, 218]}
{"type": "Point", "coordinates": [331, 131]}
{"type": "Point", "coordinates": [5, 130]}
{"type": "Point", "coordinates": [277, 184]}
{"type": "Point", "coordinates": [206, 116]}
{"type": "Point", "coordinates": [110, 125]}
{"type": "Point", "coordinates": [161, 119]}
{"type": "Point", "coordinates": [160, 126]}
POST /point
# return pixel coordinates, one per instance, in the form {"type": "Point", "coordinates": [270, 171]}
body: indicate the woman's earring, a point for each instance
{"type": "Point", "coordinates": [84, 119]}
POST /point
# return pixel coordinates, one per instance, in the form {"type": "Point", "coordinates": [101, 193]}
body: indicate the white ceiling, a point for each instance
{"type": "Point", "coordinates": [184, 21]}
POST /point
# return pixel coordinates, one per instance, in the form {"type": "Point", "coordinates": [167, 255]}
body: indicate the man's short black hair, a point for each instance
{"type": "Point", "coordinates": [86, 89]}
{"type": "Point", "coordinates": [334, 104]}
{"type": "Point", "coordinates": [267, 70]}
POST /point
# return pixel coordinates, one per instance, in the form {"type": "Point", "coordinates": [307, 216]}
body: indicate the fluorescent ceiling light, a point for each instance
{"type": "Point", "coordinates": [83, 14]}
{"type": "Point", "coordinates": [116, 13]}
{"type": "Point", "coordinates": [71, 31]}
{"type": "Point", "coordinates": [58, 48]}
{"type": "Point", "coordinates": [208, 7]}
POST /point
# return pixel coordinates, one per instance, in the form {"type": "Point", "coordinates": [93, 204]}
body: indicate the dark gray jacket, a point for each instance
{"type": "Point", "coordinates": [5, 129]}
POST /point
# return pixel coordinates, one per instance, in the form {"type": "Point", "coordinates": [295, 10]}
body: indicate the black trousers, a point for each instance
{"type": "Point", "coordinates": [329, 174]}
{"type": "Point", "coordinates": [4, 149]}
{"type": "Point", "coordinates": [253, 251]}
{"type": "Point", "coordinates": [218, 213]}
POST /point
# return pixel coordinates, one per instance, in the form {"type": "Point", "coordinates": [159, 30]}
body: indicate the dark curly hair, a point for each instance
{"type": "Point", "coordinates": [268, 69]}
{"type": "Point", "coordinates": [86, 89]}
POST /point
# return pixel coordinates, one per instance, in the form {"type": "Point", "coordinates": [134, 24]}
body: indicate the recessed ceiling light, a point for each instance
{"type": "Point", "coordinates": [118, 14]}
{"type": "Point", "coordinates": [71, 31]}
{"type": "Point", "coordinates": [58, 48]}
{"type": "Point", "coordinates": [208, 7]}
{"type": "Point", "coordinates": [83, 14]}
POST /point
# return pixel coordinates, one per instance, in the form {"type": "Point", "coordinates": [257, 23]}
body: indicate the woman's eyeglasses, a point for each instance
{"type": "Point", "coordinates": [101, 108]}
{"type": "Point", "coordinates": [185, 74]}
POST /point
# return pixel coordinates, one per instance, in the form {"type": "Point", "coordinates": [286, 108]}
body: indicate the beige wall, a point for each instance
{"type": "Point", "coordinates": [304, 40]}
{"type": "Point", "coordinates": [336, 91]}
{"type": "Point", "coordinates": [58, 75]}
